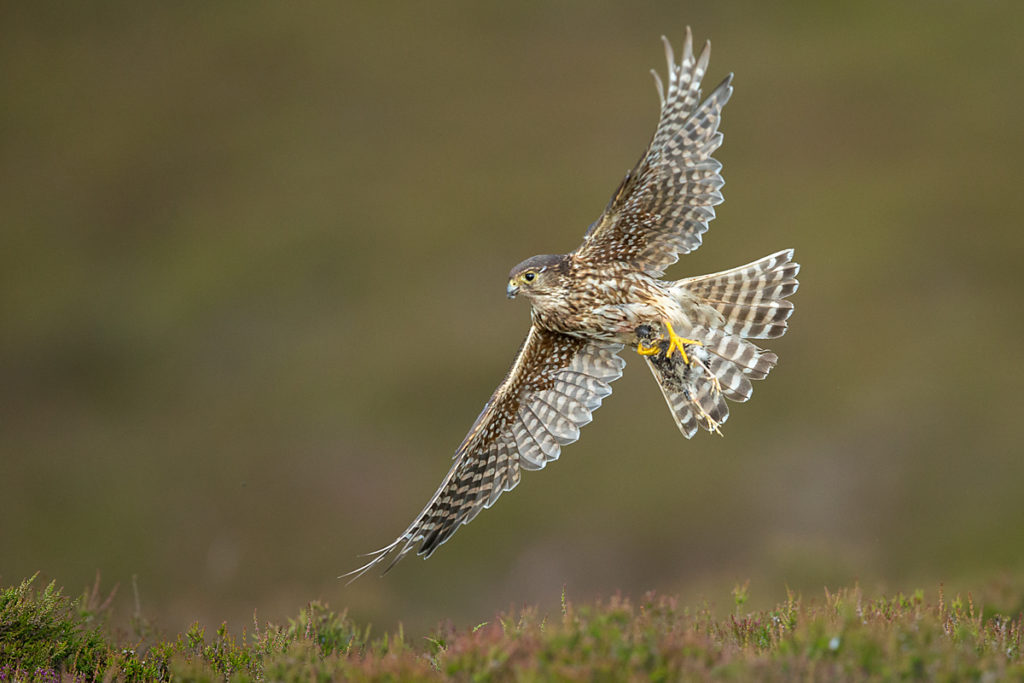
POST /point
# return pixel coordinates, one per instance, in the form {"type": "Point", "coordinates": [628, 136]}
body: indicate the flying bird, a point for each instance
{"type": "Point", "coordinates": [607, 295]}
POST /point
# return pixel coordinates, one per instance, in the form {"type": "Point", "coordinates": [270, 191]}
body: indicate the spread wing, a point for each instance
{"type": "Point", "coordinates": [554, 385]}
{"type": "Point", "coordinates": [663, 206]}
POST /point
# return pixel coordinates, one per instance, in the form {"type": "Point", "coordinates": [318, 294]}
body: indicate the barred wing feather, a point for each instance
{"type": "Point", "coordinates": [663, 206]}
{"type": "Point", "coordinates": [552, 389]}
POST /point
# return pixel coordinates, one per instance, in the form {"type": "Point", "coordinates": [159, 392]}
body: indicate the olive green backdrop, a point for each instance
{"type": "Point", "coordinates": [252, 270]}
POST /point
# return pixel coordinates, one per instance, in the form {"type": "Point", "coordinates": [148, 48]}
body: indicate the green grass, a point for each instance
{"type": "Point", "coordinates": [842, 635]}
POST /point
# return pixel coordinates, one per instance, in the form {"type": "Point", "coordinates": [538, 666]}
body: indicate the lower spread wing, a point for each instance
{"type": "Point", "coordinates": [663, 206]}
{"type": "Point", "coordinates": [554, 385]}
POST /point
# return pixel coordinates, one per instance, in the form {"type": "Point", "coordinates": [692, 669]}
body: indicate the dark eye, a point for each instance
{"type": "Point", "coordinates": [529, 277]}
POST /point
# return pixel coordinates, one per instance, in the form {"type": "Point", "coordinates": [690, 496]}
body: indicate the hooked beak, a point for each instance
{"type": "Point", "coordinates": [512, 289]}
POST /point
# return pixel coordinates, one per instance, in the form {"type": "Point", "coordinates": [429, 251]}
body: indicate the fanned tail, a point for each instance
{"type": "Point", "coordinates": [752, 298]}
{"type": "Point", "coordinates": [751, 301]}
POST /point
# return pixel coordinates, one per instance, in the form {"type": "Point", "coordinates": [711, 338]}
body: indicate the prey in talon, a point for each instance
{"type": "Point", "coordinates": [689, 384]}
{"type": "Point", "coordinates": [645, 347]}
{"type": "Point", "coordinates": [610, 294]}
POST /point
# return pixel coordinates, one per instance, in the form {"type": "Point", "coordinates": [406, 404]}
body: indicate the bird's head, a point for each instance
{"type": "Point", "coordinates": [536, 276]}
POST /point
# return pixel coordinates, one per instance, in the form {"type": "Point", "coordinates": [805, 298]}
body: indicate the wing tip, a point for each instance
{"type": "Point", "coordinates": [377, 557]}
{"type": "Point", "coordinates": [659, 85]}
{"type": "Point", "coordinates": [723, 91]}
{"type": "Point", "coordinates": [669, 52]}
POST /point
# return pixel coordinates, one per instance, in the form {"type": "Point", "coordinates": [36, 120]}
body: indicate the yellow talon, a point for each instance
{"type": "Point", "coordinates": [676, 342]}
{"type": "Point", "coordinates": [645, 350]}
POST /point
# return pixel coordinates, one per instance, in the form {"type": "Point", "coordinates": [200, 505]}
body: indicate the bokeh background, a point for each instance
{"type": "Point", "coordinates": [252, 270]}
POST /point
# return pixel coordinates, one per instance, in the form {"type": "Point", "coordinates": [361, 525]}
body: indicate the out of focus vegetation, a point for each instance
{"type": "Point", "coordinates": [844, 636]}
{"type": "Point", "coordinates": [252, 265]}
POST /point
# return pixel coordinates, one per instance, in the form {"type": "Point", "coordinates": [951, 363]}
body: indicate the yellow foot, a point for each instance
{"type": "Point", "coordinates": [676, 342]}
{"type": "Point", "coordinates": [645, 350]}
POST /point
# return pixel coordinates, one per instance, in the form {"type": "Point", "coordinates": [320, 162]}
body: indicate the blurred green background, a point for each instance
{"type": "Point", "coordinates": [252, 270]}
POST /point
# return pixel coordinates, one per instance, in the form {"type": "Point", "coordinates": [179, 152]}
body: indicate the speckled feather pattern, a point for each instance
{"type": "Point", "coordinates": [588, 304]}
{"type": "Point", "coordinates": [551, 390]}
{"type": "Point", "coordinates": [663, 206]}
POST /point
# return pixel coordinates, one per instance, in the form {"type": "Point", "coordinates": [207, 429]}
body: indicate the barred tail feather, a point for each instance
{"type": "Point", "coordinates": [753, 361]}
{"type": "Point", "coordinates": [735, 385]}
{"type": "Point", "coordinates": [751, 301]}
{"type": "Point", "coordinates": [752, 298]}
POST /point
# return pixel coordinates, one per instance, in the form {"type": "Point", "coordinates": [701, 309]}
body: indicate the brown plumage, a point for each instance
{"type": "Point", "coordinates": [589, 304]}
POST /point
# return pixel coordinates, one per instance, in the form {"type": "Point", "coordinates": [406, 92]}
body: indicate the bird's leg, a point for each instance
{"type": "Point", "coordinates": [644, 350]}
{"type": "Point", "coordinates": [707, 371]}
{"type": "Point", "coordinates": [645, 334]}
{"type": "Point", "coordinates": [676, 342]}
{"type": "Point", "coordinates": [711, 423]}
{"type": "Point", "coordinates": [647, 345]}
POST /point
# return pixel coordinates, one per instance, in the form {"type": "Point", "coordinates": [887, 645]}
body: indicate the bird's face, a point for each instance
{"type": "Point", "coordinates": [534, 276]}
{"type": "Point", "coordinates": [524, 280]}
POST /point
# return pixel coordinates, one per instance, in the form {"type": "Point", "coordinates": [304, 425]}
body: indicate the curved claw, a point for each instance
{"type": "Point", "coordinates": [645, 350]}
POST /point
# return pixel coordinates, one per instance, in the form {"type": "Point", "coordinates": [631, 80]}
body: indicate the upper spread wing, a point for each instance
{"type": "Point", "coordinates": [554, 385]}
{"type": "Point", "coordinates": [663, 206]}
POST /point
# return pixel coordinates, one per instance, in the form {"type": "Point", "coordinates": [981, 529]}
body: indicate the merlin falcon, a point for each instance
{"type": "Point", "coordinates": [608, 295]}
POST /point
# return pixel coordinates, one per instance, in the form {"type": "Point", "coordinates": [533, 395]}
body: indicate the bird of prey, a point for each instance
{"type": "Point", "coordinates": [607, 295]}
